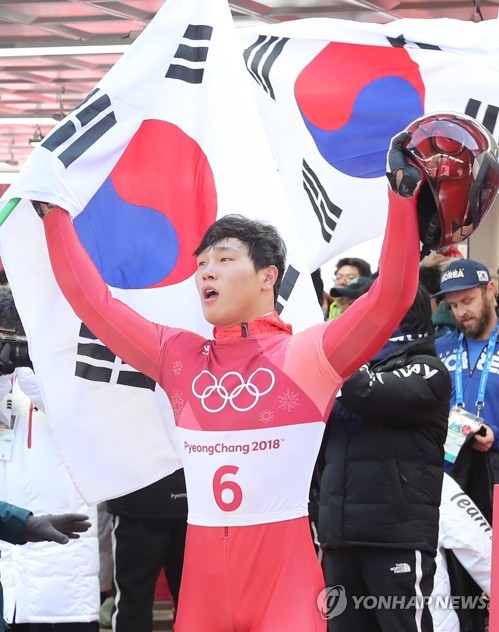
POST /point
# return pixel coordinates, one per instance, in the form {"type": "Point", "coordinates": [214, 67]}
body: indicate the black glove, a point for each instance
{"type": "Point", "coordinates": [59, 528]}
{"type": "Point", "coordinates": [6, 365]}
{"type": "Point", "coordinates": [396, 159]}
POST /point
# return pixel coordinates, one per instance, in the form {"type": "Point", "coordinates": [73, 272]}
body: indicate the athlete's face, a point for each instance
{"type": "Point", "coordinates": [474, 311]}
{"type": "Point", "coordinates": [231, 290]}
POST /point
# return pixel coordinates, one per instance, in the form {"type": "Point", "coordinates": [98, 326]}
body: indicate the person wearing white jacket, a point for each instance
{"type": "Point", "coordinates": [45, 586]}
{"type": "Point", "coordinates": [464, 530]}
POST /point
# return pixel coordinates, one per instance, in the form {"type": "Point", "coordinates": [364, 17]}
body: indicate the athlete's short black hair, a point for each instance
{"type": "Point", "coordinates": [266, 246]}
{"type": "Point", "coordinates": [418, 318]}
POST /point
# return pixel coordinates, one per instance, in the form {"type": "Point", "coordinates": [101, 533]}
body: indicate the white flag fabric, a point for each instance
{"type": "Point", "coordinates": [168, 141]}
{"type": "Point", "coordinates": [332, 93]}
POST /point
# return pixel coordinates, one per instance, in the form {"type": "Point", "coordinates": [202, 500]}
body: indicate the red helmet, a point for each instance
{"type": "Point", "coordinates": [458, 159]}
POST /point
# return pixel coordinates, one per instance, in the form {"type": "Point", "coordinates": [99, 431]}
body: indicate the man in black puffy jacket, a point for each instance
{"type": "Point", "coordinates": [381, 485]}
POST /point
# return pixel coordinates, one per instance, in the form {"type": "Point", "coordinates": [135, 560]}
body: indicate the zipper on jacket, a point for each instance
{"type": "Point", "coordinates": [30, 426]}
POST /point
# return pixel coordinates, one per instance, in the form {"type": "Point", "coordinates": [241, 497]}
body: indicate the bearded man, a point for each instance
{"type": "Point", "coordinates": [471, 354]}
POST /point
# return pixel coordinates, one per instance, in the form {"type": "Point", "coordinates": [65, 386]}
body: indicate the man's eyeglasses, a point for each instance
{"type": "Point", "coordinates": [346, 277]}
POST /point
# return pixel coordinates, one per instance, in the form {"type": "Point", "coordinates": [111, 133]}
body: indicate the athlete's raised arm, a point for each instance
{"type": "Point", "coordinates": [358, 334]}
{"type": "Point", "coordinates": [439, 196]}
{"type": "Point", "coordinates": [133, 338]}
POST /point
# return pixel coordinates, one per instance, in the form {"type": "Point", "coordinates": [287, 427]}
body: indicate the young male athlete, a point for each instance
{"type": "Point", "coordinates": [250, 406]}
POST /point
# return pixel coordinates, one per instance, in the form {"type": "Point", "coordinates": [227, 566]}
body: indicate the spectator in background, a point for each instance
{"type": "Point", "coordinates": [381, 485]}
{"type": "Point", "coordinates": [45, 587]}
{"type": "Point", "coordinates": [429, 276]}
{"type": "Point", "coordinates": [442, 320]}
{"type": "Point", "coordinates": [347, 270]}
{"type": "Point", "coordinates": [465, 541]}
{"type": "Point", "coordinates": [19, 526]}
{"type": "Point", "coordinates": [149, 528]}
{"type": "Point", "coordinates": [471, 353]}
{"type": "Point", "coordinates": [443, 323]}
{"type": "Point", "coordinates": [351, 292]}
{"type": "Point", "coordinates": [348, 293]}
{"type": "Point", "coordinates": [430, 271]}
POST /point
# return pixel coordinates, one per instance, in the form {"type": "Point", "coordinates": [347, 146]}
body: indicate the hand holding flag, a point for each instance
{"type": "Point", "coordinates": [168, 141]}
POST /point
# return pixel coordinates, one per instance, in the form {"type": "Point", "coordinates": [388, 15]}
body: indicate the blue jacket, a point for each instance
{"type": "Point", "coordinates": [447, 352]}
{"type": "Point", "coordinates": [476, 472]}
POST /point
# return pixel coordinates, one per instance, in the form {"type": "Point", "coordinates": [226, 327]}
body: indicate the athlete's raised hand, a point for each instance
{"type": "Point", "coordinates": [402, 176]}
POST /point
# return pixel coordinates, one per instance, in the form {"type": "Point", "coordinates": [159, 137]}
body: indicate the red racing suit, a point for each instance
{"type": "Point", "coordinates": [250, 407]}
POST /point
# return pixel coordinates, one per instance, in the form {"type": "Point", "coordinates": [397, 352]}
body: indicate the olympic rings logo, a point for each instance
{"type": "Point", "coordinates": [218, 388]}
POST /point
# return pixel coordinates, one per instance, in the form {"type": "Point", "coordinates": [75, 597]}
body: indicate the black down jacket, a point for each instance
{"type": "Point", "coordinates": [383, 452]}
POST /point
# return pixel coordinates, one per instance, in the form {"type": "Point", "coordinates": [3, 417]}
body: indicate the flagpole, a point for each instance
{"type": "Point", "coordinates": [8, 208]}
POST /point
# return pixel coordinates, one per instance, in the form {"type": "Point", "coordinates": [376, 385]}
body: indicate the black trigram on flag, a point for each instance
{"type": "Point", "coordinates": [97, 363]}
{"type": "Point", "coordinates": [261, 56]}
{"type": "Point", "coordinates": [327, 213]}
{"type": "Point", "coordinates": [85, 127]}
{"type": "Point", "coordinates": [192, 53]}
{"type": "Point", "coordinates": [401, 42]}
{"type": "Point", "coordinates": [288, 283]}
{"type": "Point", "coordinates": [486, 114]}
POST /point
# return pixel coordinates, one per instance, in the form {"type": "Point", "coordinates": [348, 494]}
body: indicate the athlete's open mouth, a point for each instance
{"type": "Point", "coordinates": [210, 293]}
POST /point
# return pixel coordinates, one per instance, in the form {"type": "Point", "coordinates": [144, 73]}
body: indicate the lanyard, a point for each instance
{"type": "Point", "coordinates": [480, 403]}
